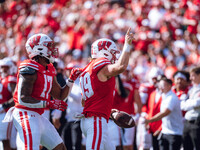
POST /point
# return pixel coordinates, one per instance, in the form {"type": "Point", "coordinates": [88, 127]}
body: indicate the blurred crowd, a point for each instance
{"type": "Point", "coordinates": [167, 33]}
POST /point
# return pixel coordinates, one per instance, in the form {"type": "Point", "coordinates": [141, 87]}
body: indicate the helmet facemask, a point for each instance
{"type": "Point", "coordinates": [115, 55]}
{"type": "Point", "coordinates": [52, 51]}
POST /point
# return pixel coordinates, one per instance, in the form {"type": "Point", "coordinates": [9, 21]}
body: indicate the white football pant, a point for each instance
{"type": "Point", "coordinates": [34, 129]}
{"type": "Point", "coordinates": [95, 130]}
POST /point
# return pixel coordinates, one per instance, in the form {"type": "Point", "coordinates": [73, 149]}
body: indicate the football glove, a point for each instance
{"type": "Point", "coordinates": [57, 104]}
{"type": "Point", "coordinates": [75, 73]}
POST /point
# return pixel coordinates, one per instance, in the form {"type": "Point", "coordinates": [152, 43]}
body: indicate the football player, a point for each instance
{"type": "Point", "coordinates": [36, 83]}
{"type": "Point", "coordinates": [7, 85]}
{"type": "Point", "coordinates": [97, 84]}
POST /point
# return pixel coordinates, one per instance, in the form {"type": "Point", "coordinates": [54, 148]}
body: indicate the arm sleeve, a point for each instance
{"type": "Point", "coordinates": [190, 104]}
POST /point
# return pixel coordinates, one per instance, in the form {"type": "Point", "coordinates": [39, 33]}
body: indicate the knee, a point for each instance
{"type": "Point", "coordinates": [60, 146]}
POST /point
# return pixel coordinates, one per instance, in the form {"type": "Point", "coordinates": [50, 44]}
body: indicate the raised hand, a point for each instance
{"type": "Point", "coordinates": [129, 37]}
{"type": "Point", "coordinates": [75, 73]}
{"type": "Point", "coordinates": [57, 104]}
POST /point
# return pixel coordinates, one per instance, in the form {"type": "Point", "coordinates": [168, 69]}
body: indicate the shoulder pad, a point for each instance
{"type": "Point", "coordinates": [27, 70]}
{"type": "Point", "coordinates": [99, 63]}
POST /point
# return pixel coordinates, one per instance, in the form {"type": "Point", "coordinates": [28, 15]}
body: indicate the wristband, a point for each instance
{"type": "Point", "coordinates": [127, 47]}
{"type": "Point", "coordinates": [41, 104]}
{"type": "Point", "coordinates": [69, 82]}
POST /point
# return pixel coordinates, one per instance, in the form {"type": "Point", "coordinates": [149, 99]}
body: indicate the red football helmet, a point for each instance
{"type": "Point", "coordinates": [105, 48]}
{"type": "Point", "coordinates": [42, 45]}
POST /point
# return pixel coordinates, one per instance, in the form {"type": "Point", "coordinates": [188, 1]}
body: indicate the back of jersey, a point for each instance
{"type": "Point", "coordinates": [98, 95]}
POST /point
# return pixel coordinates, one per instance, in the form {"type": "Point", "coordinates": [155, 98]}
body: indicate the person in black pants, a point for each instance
{"type": "Point", "coordinates": [72, 135]}
{"type": "Point", "coordinates": [71, 132]}
{"type": "Point", "coordinates": [191, 131]}
{"type": "Point", "coordinates": [171, 115]}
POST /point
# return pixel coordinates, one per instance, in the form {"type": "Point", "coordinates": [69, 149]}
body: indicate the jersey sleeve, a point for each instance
{"type": "Point", "coordinates": [100, 63]}
{"type": "Point", "coordinates": [30, 64]}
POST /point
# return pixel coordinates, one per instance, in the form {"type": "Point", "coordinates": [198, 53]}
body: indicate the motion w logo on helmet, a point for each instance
{"type": "Point", "coordinates": [104, 45]}
{"type": "Point", "coordinates": [34, 41]}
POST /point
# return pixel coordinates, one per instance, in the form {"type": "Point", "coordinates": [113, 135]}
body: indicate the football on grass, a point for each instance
{"type": "Point", "coordinates": [123, 119]}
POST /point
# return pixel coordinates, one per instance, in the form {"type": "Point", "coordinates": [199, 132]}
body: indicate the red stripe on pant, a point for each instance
{"type": "Point", "coordinates": [24, 129]}
{"type": "Point", "coordinates": [100, 133]}
{"type": "Point", "coordinates": [95, 132]}
{"type": "Point", "coordinates": [29, 131]}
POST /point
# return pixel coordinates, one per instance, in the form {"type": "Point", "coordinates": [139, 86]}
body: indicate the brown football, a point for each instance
{"type": "Point", "coordinates": [123, 119]}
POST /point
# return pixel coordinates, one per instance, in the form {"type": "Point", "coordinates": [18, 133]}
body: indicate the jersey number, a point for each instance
{"type": "Point", "coordinates": [86, 86]}
{"type": "Point", "coordinates": [47, 83]}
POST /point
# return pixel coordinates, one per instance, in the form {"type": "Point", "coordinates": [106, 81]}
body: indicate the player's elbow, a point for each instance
{"type": "Point", "coordinates": [121, 68]}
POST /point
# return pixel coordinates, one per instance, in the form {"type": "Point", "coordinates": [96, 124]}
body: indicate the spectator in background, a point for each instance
{"type": "Point", "coordinates": [179, 48]}
{"type": "Point", "coordinates": [191, 132]}
{"type": "Point", "coordinates": [171, 67]}
{"type": "Point", "coordinates": [191, 16]}
{"type": "Point", "coordinates": [154, 103]}
{"type": "Point", "coordinates": [144, 139]}
{"type": "Point", "coordinates": [72, 126]}
{"type": "Point", "coordinates": [170, 113]}
{"type": "Point", "coordinates": [155, 15]}
{"type": "Point", "coordinates": [181, 85]}
{"type": "Point", "coordinates": [8, 82]}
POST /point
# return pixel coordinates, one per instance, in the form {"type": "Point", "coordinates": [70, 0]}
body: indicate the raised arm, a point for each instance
{"type": "Point", "coordinates": [121, 65]}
